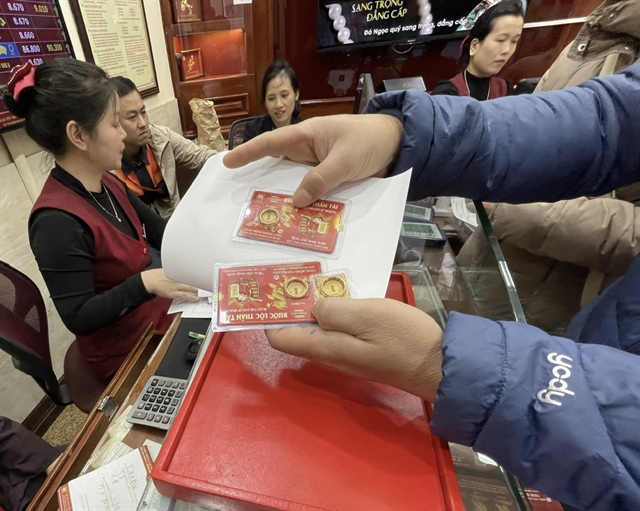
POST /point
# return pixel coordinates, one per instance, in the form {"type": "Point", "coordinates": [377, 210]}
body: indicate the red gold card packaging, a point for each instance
{"type": "Point", "coordinates": [270, 217]}
{"type": "Point", "coordinates": [263, 294]}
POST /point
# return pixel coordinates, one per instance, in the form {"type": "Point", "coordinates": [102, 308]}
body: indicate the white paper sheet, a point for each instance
{"type": "Point", "coordinates": [118, 485]}
{"type": "Point", "coordinates": [199, 232]}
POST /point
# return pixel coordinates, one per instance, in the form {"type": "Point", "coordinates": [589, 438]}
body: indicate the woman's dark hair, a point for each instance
{"type": "Point", "coordinates": [64, 90]}
{"type": "Point", "coordinates": [484, 25]}
{"type": "Point", "coordinates": [276, 69]}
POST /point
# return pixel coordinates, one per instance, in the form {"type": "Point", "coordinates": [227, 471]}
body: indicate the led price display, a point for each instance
{"type": "Point", "coordinates": [30, 31]}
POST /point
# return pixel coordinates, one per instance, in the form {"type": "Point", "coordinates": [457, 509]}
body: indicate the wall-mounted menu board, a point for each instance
{"type": "Point", "coordinates": [29, 31]}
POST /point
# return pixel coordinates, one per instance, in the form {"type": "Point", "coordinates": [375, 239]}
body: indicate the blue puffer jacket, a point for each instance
{"type": "Point", "coordinates": [563, 417]}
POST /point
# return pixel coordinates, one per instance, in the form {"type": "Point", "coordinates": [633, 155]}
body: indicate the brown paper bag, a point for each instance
{"type": "Point", "coordinates": [206, 120]}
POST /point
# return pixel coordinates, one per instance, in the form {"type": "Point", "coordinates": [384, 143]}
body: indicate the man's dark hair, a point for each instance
{"type": "Point", "coordinates": [123, 85]}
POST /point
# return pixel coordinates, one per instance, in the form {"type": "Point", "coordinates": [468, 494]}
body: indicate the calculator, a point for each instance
{"type": "Point", "coordinates": [159, 403]}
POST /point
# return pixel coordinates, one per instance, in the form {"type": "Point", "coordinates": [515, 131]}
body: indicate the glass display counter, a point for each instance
{"type": "Point", "coordinates": [440, 286]}
{"type": "Point", "coordinates": [215, 53]}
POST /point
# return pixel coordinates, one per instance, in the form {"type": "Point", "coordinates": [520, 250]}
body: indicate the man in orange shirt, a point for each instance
{"type": "Point", "coordinates": [153, 153]}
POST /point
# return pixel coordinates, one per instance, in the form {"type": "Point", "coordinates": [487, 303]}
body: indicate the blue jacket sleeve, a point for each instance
{"type": "Point", "coordinates": [561, 416]}
{"type": "Point", "coordinates": [528, 148]}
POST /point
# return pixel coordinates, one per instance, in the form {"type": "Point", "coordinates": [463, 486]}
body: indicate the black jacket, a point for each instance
{"type": "Point", "coordinates": [261, 125]}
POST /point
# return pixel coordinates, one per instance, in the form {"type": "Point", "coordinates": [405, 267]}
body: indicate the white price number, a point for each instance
{"type": "Point", "coordinates": [15, 6]}
{"type": "Point", "coordinates": [30, 48]}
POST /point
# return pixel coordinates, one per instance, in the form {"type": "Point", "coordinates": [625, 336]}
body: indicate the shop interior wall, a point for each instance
{"type": "Point", "coordinates": [334, 74]}
{"type": "Point", "coordinates": [23, 170]}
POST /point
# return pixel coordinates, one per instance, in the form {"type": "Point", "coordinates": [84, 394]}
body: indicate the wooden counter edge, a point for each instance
{"type": "Point", "coordinates": [139, 365]}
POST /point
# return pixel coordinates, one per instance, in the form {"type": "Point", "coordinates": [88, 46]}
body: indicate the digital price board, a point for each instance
{"type": "Point", "coordinates": [29, 31]}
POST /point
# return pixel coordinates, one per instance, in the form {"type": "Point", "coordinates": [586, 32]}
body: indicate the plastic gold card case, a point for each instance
{"type": "Point", "coordinates": [259, 295]}
{"type": "Point", "coordinates": [273, 294]}
{"type": "Point", "coordinates": [336, 284]}
{"type": "Point", "coordinates": [269, 217]}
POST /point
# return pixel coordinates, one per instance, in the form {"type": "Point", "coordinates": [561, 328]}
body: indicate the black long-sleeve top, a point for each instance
{"type": "Point", "coordinates": [63, 246]}
{"type": "Point", "coordinates": [478, 88]}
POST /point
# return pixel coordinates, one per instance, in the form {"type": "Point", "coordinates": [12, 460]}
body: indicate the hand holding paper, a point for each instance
{"type": "Point", "coordinates": [200, 231]}
{"type": "Point", "coordinates": [345, 148]}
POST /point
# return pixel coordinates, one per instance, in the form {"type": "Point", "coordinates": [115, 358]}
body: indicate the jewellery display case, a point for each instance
{"type": "Point", "coordinates": [218, 51]}
{"type": "Point", "coordinates": [440, 286]}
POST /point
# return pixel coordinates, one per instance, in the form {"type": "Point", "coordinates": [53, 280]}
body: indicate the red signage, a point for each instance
{"type": "Point", "coordinates": [29, 31]}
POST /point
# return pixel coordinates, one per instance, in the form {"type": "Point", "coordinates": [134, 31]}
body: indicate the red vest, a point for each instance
{"type": "Point", "coordinates": [116, 258]}
{"type": "Point", "coordinates": [497, 86]}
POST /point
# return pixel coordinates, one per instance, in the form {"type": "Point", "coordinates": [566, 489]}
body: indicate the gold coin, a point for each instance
{"type": "Point", "coordinates": [334, 286]}
{"type": "Point", "coordinates": [296, 288]}
{"type": "Point", "coordinates": [269, 217]}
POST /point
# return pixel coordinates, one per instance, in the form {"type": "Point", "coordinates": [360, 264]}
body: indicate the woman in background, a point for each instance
{"type": "Point", "coordinates": [280, 96]}
{"type": "Point", "coordinates": [490, 44]}
{"type": "Point", "coordinates": [89, 234]}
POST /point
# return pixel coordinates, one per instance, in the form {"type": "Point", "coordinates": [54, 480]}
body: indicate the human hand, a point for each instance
{"type": "Point", "coordinates": [156, 283]}
{"type": "Point", "coordinates": [380, 340]}
{"type": "Point", "coordinates": [344, 147]}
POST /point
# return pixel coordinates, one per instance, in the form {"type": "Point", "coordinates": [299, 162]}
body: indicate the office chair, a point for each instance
{"type": "Point", "coordinates": [364, 92]}
{"type": "Point", "coordinates": [526, 85]}
{"type": "Point", "coordinates": [236, 131]}
{"type": "Point", "coordinates": [24, 335]}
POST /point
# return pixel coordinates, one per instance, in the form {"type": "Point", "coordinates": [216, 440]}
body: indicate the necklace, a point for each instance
{"type": "Point", "coordinates": [115, 211]}
{"type": "Point", "coordinates": [467, 84]}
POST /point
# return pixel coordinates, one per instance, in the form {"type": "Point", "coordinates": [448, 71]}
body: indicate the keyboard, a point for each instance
{"type": "Point", "coordinates": [159, 403]}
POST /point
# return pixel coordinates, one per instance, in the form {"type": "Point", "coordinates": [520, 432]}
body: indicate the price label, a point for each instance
{"type": "Point", "coordinates": [31, 48]}
{"type": "Point", "coordinates": [15, 7]}
{"type": "Point", "coordinates": [34, 32]}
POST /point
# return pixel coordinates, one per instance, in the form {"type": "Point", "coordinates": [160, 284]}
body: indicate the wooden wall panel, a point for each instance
{"type": "Point", "coordinates": [335, 74]}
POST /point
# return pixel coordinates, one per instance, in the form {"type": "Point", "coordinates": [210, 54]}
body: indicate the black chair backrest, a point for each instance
{"type": "Point", "coordinates": [364, 92]}
{"type": "Point", "coordinates": [526, 86]}
{"type": "Point", "coordinates": [24, 332]}
{"type": "Point", "coordinates": [236, 131]}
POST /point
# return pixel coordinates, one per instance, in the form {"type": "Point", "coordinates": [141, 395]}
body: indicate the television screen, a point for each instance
{"type": "Point", "coordinates": [344, 25]}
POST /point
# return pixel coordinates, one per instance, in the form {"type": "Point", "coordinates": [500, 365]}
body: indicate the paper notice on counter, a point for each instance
{"type": "Point", "coordinates": [118, 485]}
{"type": "Point", "coordinates": [199, 234]}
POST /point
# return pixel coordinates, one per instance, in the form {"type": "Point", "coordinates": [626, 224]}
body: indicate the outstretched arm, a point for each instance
{"type": "Point", "coordinates": [538, 147]}
{"type": "Point", "coordinates": [561, 416]}
{"type": "Point", "coordinates": [542, 147]}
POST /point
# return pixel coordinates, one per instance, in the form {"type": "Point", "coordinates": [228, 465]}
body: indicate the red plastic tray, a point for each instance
{"type": "Point", "coordinates": [260, 430]}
